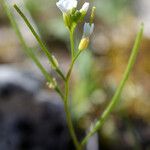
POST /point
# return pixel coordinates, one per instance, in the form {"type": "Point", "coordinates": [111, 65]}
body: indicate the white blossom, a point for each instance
{"type": "Point", "coordinates": [88, 29]}
{"type": "Point", "coordinates": [66, 5]}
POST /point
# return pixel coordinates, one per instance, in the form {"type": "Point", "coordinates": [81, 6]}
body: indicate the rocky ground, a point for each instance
{"type": "Point", "coordinates": [30, 118]}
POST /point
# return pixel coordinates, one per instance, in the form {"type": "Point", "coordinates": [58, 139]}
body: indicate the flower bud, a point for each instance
{"type": "Point", "coordinates": [83, 43]}
{"type": "Point", "coordinates": [92, 15]}
{"type": "Point", "coordinates": [87, 31]}
{"type": "Point", "coordinates": [84, 8]}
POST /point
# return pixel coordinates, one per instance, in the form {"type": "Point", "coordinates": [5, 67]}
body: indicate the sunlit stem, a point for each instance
{"type": "Point", "coordinates": [118, 92]}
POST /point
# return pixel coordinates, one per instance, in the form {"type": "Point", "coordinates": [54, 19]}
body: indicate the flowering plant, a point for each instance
{"type": "Point", "coordinates": [72, 17]}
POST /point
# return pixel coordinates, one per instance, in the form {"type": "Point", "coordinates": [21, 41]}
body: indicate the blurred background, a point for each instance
{"type": "Point", "coordinates": [28, 109]}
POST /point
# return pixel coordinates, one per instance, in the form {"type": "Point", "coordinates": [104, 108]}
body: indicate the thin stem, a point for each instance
{"type": "Point", "coordinates": [26, 49]}
{"type": "Point", "coordinates": [57, 89]}
{"type": "Point", "coordinates": [66, 105]}
{"type": "Point", "coordinates": [68, 117]}
{"type": "Point", "coordinates": [72, 42]}
{"type": "Point", "coordinates": [60, 73]}
{"type": "Point", "coordinates": [70, 125]}
{"type": "Point", "coordinates": [72, 64]}
{"type": "Point", "coordinates": [42, 45]}
{"type": "Point", "coordinates": [118, 92]}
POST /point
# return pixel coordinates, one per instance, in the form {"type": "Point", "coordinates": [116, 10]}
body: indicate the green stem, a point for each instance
{"type": "Point", "coordinates": [66, 105]}
{"type": "Point", "coordinates": [26, 49]}
{"type": "Point", "coordinates": [118, 92]}
{"type": "Point", "coordinates": [72, 42]}
{"type": "Point", "coordinates": [72, 64]}
{"type": "Point", "coordinates": [60, 73]}
{"type": "Point", "coordinates": [42, 45]}
{"type": "Point", "coordinates": [68, 117]}
{"type": "Point", "coordinates": [57, 89]}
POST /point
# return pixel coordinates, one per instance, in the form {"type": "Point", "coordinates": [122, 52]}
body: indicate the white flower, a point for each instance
{"type": "Point", "coordinates": [66, 5]}
{"type": "Point", "coordinates": [85, 7]}
{"type": "Point", "coordinates": [88, 29]}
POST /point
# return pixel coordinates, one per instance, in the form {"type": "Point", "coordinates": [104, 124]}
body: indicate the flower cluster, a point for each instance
{"type": "Point", "coordinates": [70, 12]}
{"type": "Point", "coordinates": [72, 16]}
{"type": "Point", "coordinates": [66, 6]}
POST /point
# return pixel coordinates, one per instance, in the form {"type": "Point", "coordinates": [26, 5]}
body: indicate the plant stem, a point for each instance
{"type": "Point", "coordinates": [68, 117]}
{"type": "Point", "coordinates": [26, 49]}
{"type": "Point", "coordinates": [66, 105]}
{"type": "Point", "coordinates": [42, 45]}
{"type": "Point", "coordinates": [72, 42]}
{"type": "Point", "coordinates": [118, 92]}
{"type": "Point", "coordinates": [72, 64]}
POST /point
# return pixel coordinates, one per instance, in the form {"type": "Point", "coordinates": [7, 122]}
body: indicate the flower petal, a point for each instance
{"type": "Point", "coordinates": [66, 5]}
{"type": "Point", "coordinates": [88, 29]}
{"type": "Point", "coordinates": [61, 7]}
